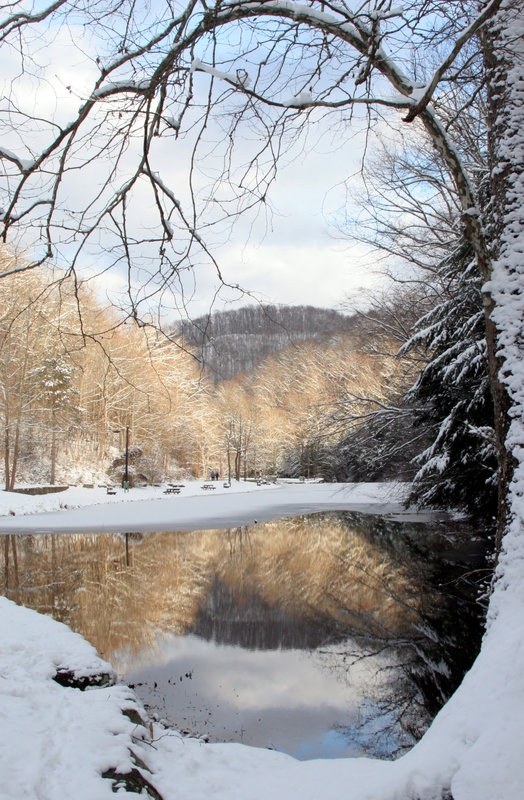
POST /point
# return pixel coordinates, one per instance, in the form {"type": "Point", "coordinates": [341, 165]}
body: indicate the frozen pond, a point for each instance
{"type": "Point", "coordinates": [325, 635]}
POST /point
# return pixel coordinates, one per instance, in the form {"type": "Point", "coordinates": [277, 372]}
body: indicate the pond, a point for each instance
{"type": "Point", "coordinates": [326, 635]}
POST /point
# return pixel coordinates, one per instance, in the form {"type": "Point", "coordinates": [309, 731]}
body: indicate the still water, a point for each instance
{"type": "Point", "coordinates": [327, 635]}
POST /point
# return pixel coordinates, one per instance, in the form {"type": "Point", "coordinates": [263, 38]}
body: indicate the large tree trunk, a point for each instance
{"type": "Point", "coordinates": [501, 407]}
{"type": "Point", "coordinates": [503, 54]}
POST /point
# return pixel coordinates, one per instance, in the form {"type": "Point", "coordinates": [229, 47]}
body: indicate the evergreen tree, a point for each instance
{"type": "Point", "coordinates": [452, 397]}
{"type": "Point", "coordinates": [59, 399]}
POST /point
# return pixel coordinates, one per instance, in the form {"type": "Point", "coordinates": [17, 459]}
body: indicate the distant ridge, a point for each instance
{"type": "Point", "coordinates": [230, 342]}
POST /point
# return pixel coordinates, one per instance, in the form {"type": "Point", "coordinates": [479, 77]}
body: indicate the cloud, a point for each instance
{"type": "Point", "coordinates": [309, 273]}
{"type": "Point", "coordinates": [284, 253]}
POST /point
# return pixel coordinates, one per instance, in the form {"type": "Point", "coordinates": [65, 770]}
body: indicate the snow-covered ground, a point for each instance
{"type": "Point", "coordinates": [195, 508]}
{"type": "Point", "coordinates": [57, 741]}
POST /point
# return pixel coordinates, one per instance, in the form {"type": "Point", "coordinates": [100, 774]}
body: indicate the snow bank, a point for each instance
{"type": "Point", "coordinates": [57, 741]}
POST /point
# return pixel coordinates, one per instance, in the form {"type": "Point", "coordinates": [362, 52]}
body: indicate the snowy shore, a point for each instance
{"type": "Point", "coordinates": [149, 509]}
{"type": "Point", "coordinates": [58, 741]}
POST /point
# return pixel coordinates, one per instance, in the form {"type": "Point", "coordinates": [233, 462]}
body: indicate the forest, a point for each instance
{"type": "Point", "coordinates": [336, 396]}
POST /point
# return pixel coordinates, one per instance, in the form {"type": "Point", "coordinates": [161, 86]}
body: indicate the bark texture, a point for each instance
{"type": "Point", "coordinates": [503, 57]}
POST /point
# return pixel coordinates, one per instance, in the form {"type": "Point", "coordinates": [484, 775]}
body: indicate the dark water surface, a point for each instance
{"type": "Point", "coordinates": [326, 635]}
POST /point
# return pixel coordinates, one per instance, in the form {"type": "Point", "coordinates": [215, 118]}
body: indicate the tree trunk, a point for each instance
{"type": "Point", "coordinates": [19, 413]}
{"type": "Point", "coordinates": [503, 50]}
{"type": "Point", "coordinates": [14, 462]}
{"type": "Point", "coordinates": [237, 464]}
{"type": "Point", "coordinates": [15, 568]}
{"type": "Point", "coordinates": [7, 465]}
{"type": "Point", "coordinates": [501, 408]}
{"type": "Point", "coordinates": [52, 476]}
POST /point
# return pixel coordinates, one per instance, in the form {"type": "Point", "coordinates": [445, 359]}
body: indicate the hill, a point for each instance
{"type": "Point", "coordinates": [229, 342]}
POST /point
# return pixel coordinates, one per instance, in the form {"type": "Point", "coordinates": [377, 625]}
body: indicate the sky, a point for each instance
{"type": "Point", "coordinates": [291, 251]}
{"type": "Point", "coordinates": [290, 255]}
{"type": "Point", "coordinates": [302, 259]}
{"type": "Point", "coordinates": [293, 254]}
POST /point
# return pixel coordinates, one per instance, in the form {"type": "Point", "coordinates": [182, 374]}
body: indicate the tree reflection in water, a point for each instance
{"type": "Point", "coordinates": [353, 588]}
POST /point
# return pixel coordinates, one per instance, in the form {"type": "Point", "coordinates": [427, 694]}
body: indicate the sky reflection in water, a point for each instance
{"type": "Point", "coordinates": [285, 699]}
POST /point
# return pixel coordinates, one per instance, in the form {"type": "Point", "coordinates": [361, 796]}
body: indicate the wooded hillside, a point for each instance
{"type": "Point", "coordinates": [229, 342]}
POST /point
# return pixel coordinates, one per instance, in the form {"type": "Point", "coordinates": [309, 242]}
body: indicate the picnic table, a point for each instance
{"type": "Point", "coordinates": [208, 486]}
{"type": "Point", "coordinates": [172, 490]}
{"type": "Point", "coordinates": [111, 490]}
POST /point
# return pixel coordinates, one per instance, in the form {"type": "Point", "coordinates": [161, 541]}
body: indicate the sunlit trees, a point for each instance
{"type": "Point", "coordinates": [135, 378]}
{"type": "Point", "coordinates": [67, 397]}
{"type": "Point", "coordinates": [238, 421]}
{"type": "Point", "coordinates": [24, 336]}
{"type": "Point", "coordinates": [58, 400]}
{"type": "Point", "coordinates": [275, 420]}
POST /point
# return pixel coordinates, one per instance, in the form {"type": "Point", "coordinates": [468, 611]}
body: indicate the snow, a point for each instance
{"type": "Point", "coordinates": [57, 741]}
{"type": "Point", "coordinates": [111, 87]}
{"type": "Point", "coordinates": [301, 99]}
{"type": "Point", "coordinates": [23, 164]}
{"type": "Point", "coordinates": [165, 188]}
{"type": "Point", "coordinates": [240, 78]}
{"type": "Point", "coordinates": [149, 509]}
{"type": "Point", "coordinates": [393, 12]}
{"type": "Point", "coordinates": [418, 93]}
{"type": "Point", "coordinates": [299, 9]}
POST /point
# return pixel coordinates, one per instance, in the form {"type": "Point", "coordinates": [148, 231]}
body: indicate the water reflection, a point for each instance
{"type": "Point", "coordinates": [362, 593]}
{"type": "Point", "coordinates": [285, 699]}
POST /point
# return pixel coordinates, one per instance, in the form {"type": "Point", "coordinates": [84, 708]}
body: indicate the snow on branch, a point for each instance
{"type": "Point", "coordinates": [299, 100]}
{"type": "Point", "coordinates": [296, 9]}
{"type": "Point", "coordinates": [114, 87]}
{"type": "Point", "coordinates": [15, 21]}
{"type": "Point", "coordinates": [23, 165]}
{"type": "Point", "coordinates": [393, 12]}
{"type": "Point", "coordinates": [240, 78]}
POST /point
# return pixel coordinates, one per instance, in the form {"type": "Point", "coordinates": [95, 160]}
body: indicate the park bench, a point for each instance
{"type": "Point", "coordinates": [111, 490]}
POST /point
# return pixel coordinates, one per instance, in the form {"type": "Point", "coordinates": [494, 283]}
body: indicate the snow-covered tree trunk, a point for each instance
{"type": "Point", "coordinates": [504, 59]}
